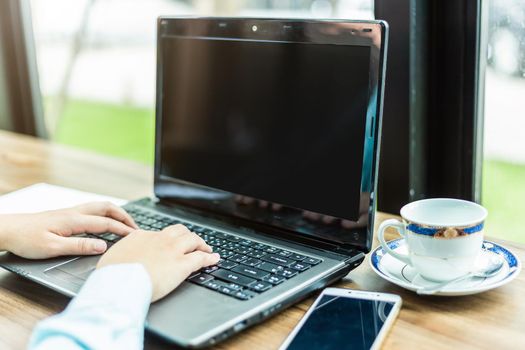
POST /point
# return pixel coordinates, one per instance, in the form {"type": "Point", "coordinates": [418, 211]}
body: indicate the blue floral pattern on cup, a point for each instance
{"type": "Point", "coordinates": [444, 232]}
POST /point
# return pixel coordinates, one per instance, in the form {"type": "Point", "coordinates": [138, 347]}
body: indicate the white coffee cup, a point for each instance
{"type": "Point", "coordinates": [443, 236]}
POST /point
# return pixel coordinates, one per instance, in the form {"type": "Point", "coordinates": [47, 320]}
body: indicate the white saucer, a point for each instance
{"type": "Point", "coordinates": [405, 276]}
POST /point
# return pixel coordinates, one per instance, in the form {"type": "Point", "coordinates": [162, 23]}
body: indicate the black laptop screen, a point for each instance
{"type": "Point", "coordinates": [277, 122]}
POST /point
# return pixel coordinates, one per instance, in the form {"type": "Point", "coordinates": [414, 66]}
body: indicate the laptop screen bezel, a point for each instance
{"type": "Point", "coordinates": [363, 33]}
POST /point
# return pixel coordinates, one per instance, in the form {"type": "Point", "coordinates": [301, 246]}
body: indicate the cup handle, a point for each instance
{"type": "Point", "coordinates": [400, 227]}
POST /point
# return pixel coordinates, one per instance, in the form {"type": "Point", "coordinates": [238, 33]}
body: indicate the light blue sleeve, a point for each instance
{"type": "Point", "coordinates": [108, 313]}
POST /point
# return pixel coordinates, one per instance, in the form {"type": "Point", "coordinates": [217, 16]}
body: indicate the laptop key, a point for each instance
{"type": "Point", "coordinates": [215, 242]}
{"type": "Point", "coordinates": [311, 261]}
{"type": "Point", "coordinates": [231, 245]}
{"type": "Point", "coordinates": [251, 262]}
{"type": "Point", "coordinates": [221, 286]}
{"type": "Point", "coordinates": [233, 238]}
{"type": "Point", "coordinates": [284, 253]}
{"type": "Point", "coordinates": [230, 286]}
{"type": "Point", "coordinates": [111, 237]}
{"type": "Point", "coordinates": [244, 294]}
{"type": "Point", "coordinates": [297, 257]}
{"type": "Point", "coordinates": [261, 286]}
{"type": "Point", "coordinates": [243, 250]}
{"type": "Point", "coordinates": [148, 221]}
{"type": "Point", "coordinates": [233, 277]}
{"type": "Point", "coordinates": [272, 250]}
{"type": "Point", "coordinates": [288, 273]}
{"type": "Point", "coordinates": [256, 254]}
{"type": "Point", "coordinates": [209, 269]}
{"type": "Point", "coordinates": [220, 235]}
{"type": "Point", "coordinates": [158, 225]}
{"type": "Point", "coordinates": [269, 267]}
{"type": "Point", "coordinates": [279, 260]}
{"type": "Point", "coordinates": [274, 279]}
{"type": "Point", "coordinates": [234, 286]}
{"type": "Point", "coordinates": [238, 258]}
{"type": "Point", "coordinates": [212, 284]}
{"type": "Point", "coordinates": [198, 229]}
{"type": "Point", "coordinates": [201, 278]}
{"type": "Point", "coordinates": [225, 264]}
{"type": "Point", "coordinates": [250, 272]}
{"type": "Point", "coordinates": [246, 242]}
{"type": "Point", "coordinates": [226, 253]}
{"type": "Point", "coordinates": [226, 289]}
{"type": "Point", "coordinates": [300, 267]}
{"type": "Point", "coordinates": [260, 246]}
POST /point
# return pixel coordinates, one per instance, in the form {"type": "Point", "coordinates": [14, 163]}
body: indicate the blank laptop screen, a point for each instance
{"type": "Point", "coordinates": [278, 122]}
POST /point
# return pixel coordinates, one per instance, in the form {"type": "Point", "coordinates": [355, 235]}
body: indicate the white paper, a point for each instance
{"type": "Point", "coordinates": [42, 196]}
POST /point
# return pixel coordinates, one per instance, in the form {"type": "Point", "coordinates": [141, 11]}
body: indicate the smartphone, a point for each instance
{"type": "Point", "coordinates": [345, 319]}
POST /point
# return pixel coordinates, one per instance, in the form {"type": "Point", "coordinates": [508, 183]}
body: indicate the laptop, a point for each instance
{"type": "Point", "coordinates": [267, 146]}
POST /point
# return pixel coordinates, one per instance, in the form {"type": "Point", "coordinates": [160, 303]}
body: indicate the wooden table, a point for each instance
{"type": "Point", "coordinates": [491, 320]}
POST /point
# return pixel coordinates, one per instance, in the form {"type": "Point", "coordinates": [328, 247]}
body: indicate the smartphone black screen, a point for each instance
{"type": "Point", "coordinates": [342, 323]}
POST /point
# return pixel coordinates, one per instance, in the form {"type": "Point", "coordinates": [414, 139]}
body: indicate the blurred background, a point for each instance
{"type": "Point", "coordinates": [96, 62]}
{"type": "Point", "coordinates": [96, 66]}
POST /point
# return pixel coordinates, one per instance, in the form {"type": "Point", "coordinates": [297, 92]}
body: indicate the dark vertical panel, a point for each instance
{"type": "Point", "coordinates": [433, 114]}
{"type": "Point", "coordinates": [21, 80]}
{"type": "Point", "coordinates": [393, 182]}
{"type": "Point", "coordinates": [483, 29]}
{"type": "Point", "coordinates": [453, 98]}
{"type": "Point", "coordinates": [418, 99]}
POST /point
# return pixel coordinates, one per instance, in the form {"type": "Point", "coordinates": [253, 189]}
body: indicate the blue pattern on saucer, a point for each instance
{"type": "Point", "coordinates": [378, 254]}
{"type": "Point", "coordinates": [510, 258]}
{"type": "Point", "coordinates": [493, 247]}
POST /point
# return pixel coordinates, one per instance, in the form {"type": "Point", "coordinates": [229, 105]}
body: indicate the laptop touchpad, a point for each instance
{"type": "Point", "coordinates": [76, 271]}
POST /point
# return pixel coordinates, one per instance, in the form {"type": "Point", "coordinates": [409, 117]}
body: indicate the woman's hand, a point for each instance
{"type": "Point", "coordinates": [48, 234]}
{"type": "Point", "coordinates": [169, 256]}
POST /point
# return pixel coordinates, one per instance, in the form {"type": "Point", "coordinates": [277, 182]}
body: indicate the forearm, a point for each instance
{"type": "Point", "coordinates": [108, 313]}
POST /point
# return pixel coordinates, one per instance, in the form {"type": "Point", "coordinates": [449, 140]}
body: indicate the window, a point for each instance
{"type": "Point", "coordinates": [96, 61]}
{"type": "Point", "coordinates": [504, 139]}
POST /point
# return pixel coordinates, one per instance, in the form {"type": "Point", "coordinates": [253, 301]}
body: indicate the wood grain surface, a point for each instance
{"type": "Point", "coordinates": [490, 320]}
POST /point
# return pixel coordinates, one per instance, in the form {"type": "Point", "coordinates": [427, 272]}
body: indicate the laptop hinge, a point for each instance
{"type": "Point", "coordinates": [346, 252]}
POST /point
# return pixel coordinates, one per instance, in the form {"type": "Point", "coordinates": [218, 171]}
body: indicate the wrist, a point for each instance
{"type": "Point", "coordinates": [118, 280]}
{"type": "Point", "coordinates": [9, 230]}
{"type": "Point", "coordinates": [4, 232]}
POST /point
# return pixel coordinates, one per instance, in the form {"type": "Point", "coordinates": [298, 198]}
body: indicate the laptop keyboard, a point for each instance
{"type": "Point", "coordinates": [246, 269]}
